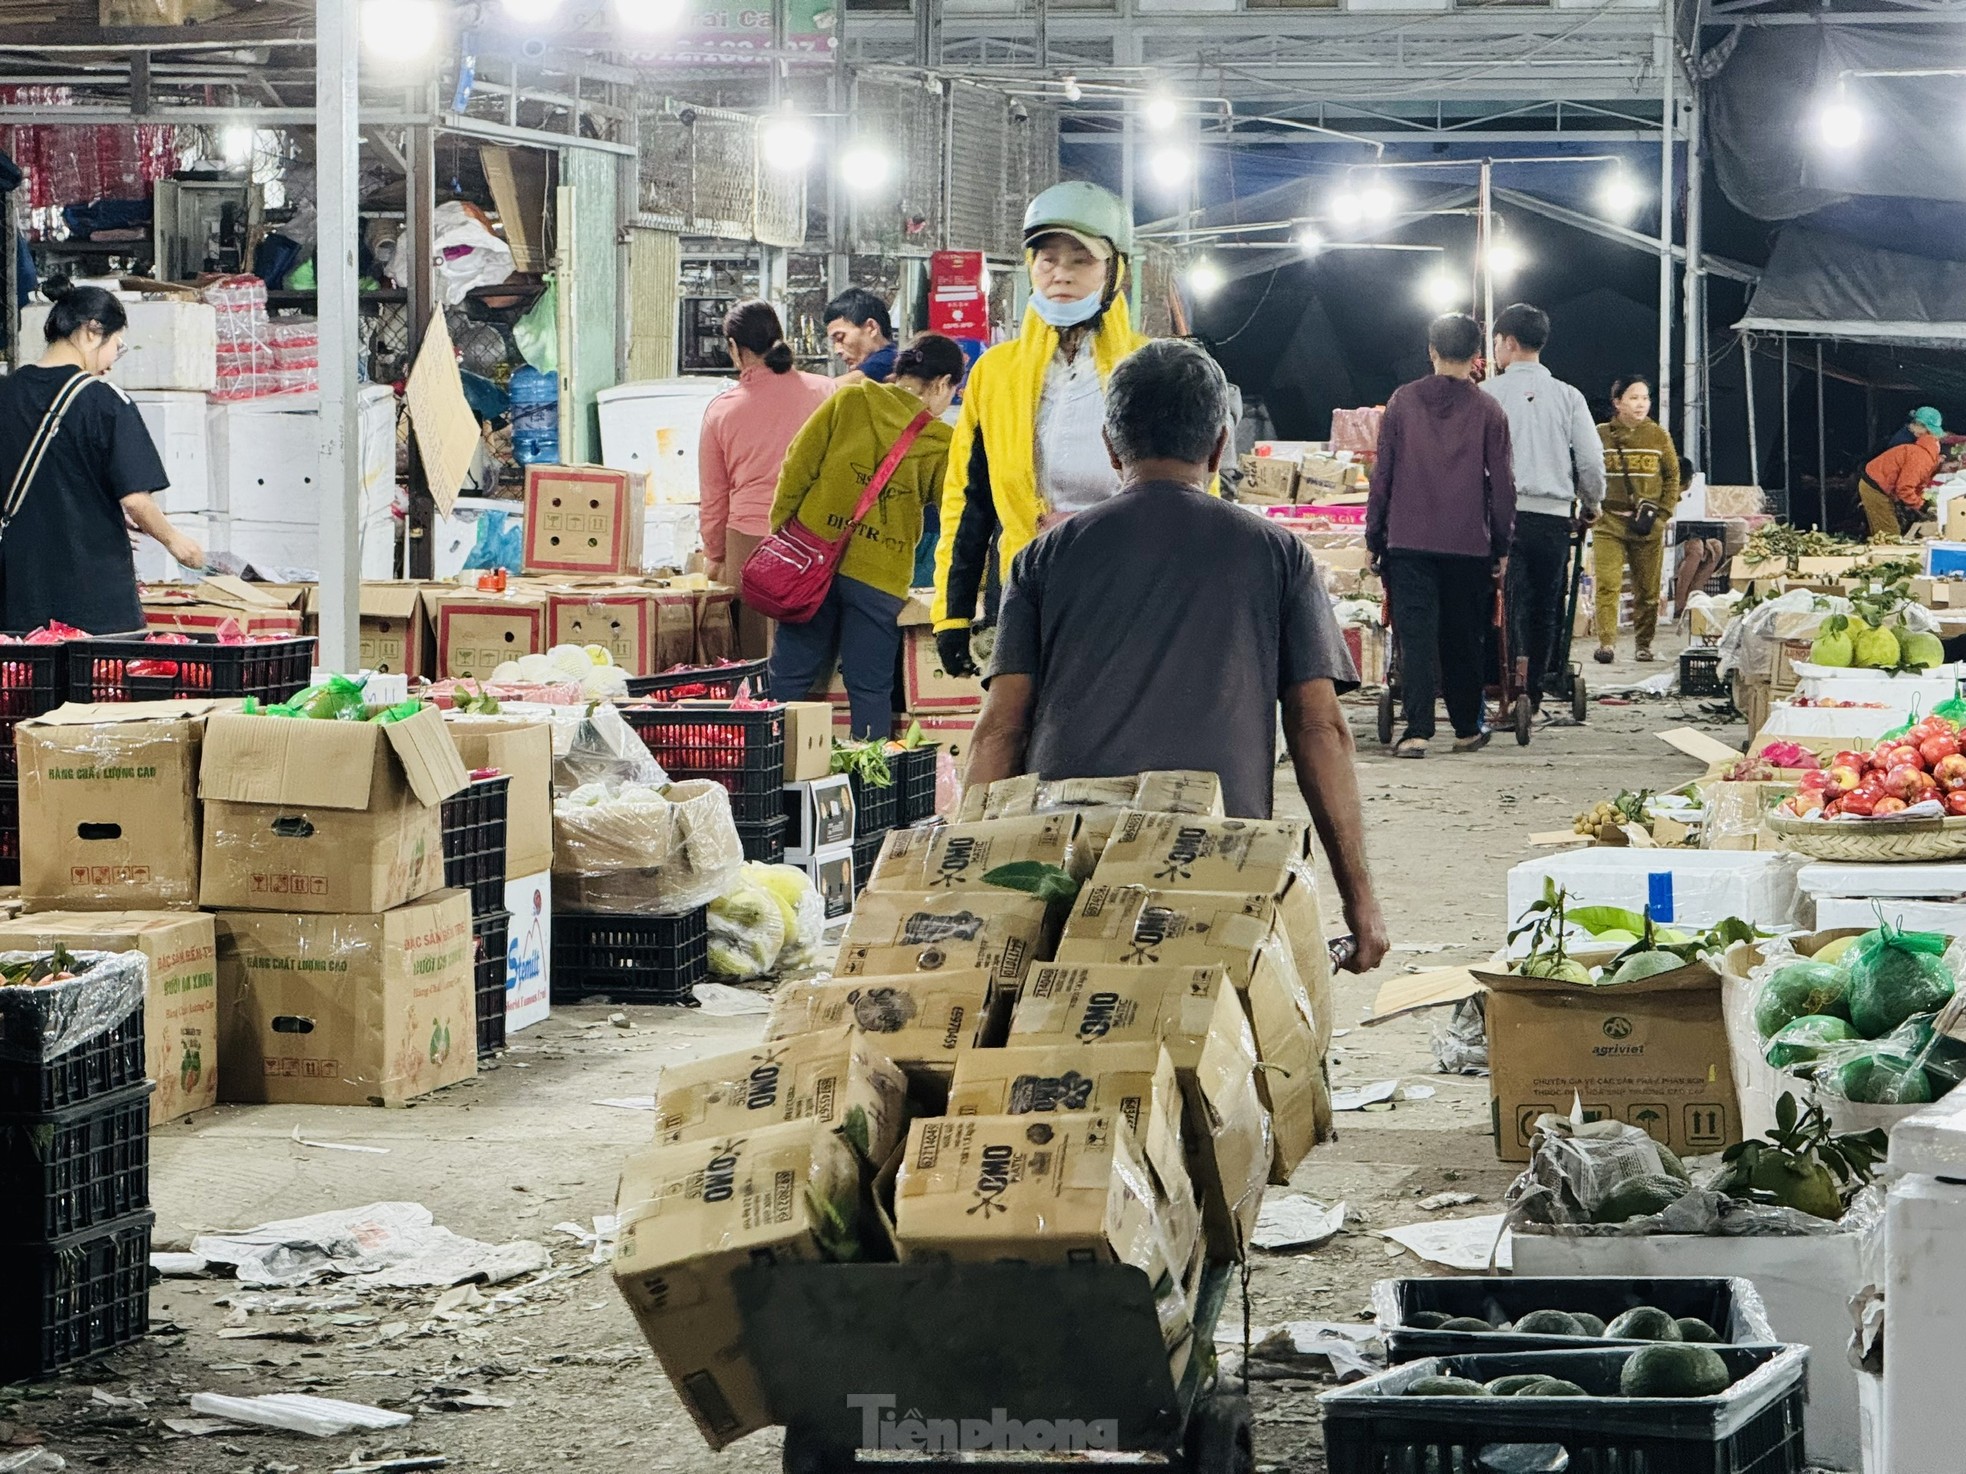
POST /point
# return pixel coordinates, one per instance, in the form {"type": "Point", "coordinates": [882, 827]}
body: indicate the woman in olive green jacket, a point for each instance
{"type": "Point", "coordinates": [826, 471]}
{"type": "Point", "coordinates": [1641, 474]}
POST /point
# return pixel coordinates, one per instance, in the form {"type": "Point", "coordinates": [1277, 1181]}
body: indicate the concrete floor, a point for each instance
{"type": "Point", "coordinates": [525, 1147]}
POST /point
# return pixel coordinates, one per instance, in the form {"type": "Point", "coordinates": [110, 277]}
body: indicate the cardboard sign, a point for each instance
{"type": "Point", "coordinates": [808, 740]}
{"type": "Point", "coordinates": [346, 1010]}
{"type": "Point", "coordinates": [584, 519]}
{"type": "Point", "coordinates": [109, 805]}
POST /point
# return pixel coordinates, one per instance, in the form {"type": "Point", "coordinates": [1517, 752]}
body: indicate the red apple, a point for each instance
{"type": "Point", "coordinates": [1902, 782]}
{"type": "Point", "coordinates": [1813, 780]}
{"type": "Point", "coordinates": [1889, 805]}
{"type": "Point", "coordinates": [1935, 749]}
{"type": "Point", "coordinates": [1846, 776]}
{"type": "Point", "coordinates": [1951, 771]}
{"type": "Point", "coordinates": [1848, 759]}
{"type": "Point", "coordinates": [1956, 802]}
{"type": "Point", "coordinates": [1862, 799]}
{"type": "Point", "coordinates": [1905, 755]}
{"type": "Point", "coordinates": [1807, 801]}
{"type": "Point", "coordinates": [1832, 808]}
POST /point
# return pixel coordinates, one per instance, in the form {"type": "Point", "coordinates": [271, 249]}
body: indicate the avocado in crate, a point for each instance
{"type": "Point", "coordinates": [1651, 1408]}
{"type": "Point", "coordinates": [1482, 1313]}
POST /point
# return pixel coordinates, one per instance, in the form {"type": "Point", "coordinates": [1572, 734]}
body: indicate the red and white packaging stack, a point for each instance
{"type": "Point", "coordinates": [296, 354]}
{"type": "Point", "coordinates": [247, 366]}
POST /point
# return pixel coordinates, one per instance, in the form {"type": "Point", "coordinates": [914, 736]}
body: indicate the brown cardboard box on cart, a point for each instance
{"type": "Point", "coordinates": [476, 632]}
{"type": "Point", "coordinates": [395, 630]}
{"type": "Point", "coordinates": [997, 932]}
{"type": "Point", "coordinates": [584, 520]}
{"type": "Point", "coordinates": [109, 805]}
{"type": "Point", "coordinates": [346, 1009]}
{"type": "Point", "coordinates": [694, 1213]}
{"type": "Point", "coordinates": [324, 816]}
{"type": "Point", "coordinates": [920, 1021]}
{"type": "Point", "coordinates": [1652, 1054]}
{"type": "Point", "coordinates": [953, 857]}
{"type": "Point", "coordinates": [180, 1000]}
{"type": "Point", "coordinates": [523, 751]}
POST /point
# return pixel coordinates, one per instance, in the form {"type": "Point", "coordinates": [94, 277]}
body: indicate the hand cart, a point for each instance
{"type": "Point", "coordinates": [1509, 692]}
{"type": "Point", "coordinates": [935, 1364]}
{"type": "Point", "coordinates": [1565, 679]}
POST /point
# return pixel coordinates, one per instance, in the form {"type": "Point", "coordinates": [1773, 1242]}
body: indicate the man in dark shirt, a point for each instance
{"type": "Point", "coordinates": [1439, 523]}
{"type": "Point", "coordinates": [1161, 629]}
{"type": "Point", "coordinates": [862, 334]}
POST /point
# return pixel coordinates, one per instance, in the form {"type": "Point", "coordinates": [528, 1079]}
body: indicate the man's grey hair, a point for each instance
{"type": "Point", "coordinates": [1168, 401]}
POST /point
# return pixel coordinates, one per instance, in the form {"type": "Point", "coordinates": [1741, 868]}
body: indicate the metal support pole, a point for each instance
{"type": "Point", "coordinates": [1669, 127]}
{"type": "Point", "coordinates": [1692, 284]}
{"type": "Point", "coordinates": [336, 150]}
{"type": "Point", "coordinates": [838, 88]}
{"type": "Point", "coordinates": [1788, 447]}
{"type": "Point", "coordinates": [1126, 162]}
{"type": "Point", "coordinates": [10, 274]}
{"type": "Point", "coordinates": [1754, 439]}
{"type": "Point", "coordinates": [420, 283]}
{"type": "Point", "coordinates": [1484, 265]}
{"type": "Point", "coordinates": [1822, 448]}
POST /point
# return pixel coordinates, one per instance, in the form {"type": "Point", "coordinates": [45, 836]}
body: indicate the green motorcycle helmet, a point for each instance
{"type": "Point", "coordinates": [1094, 217]}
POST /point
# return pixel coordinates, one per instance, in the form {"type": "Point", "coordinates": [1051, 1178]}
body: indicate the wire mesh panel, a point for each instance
{"type": "Point", "coordinates": [979, 121]}
{"type": "Point", "coordinates": [698, 169]}
{"type": "Point", "coordinates": [905, 211]}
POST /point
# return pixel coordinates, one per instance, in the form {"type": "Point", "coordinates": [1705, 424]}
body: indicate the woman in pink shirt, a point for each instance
{"type": "Point", "coordinates": [746, 431]}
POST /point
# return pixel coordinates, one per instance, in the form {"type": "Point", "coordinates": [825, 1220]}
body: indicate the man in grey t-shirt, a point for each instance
{"type": "Point", "coordinates": [1161, 629]}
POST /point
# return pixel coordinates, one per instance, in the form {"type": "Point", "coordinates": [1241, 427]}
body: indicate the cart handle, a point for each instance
{"type": "Point", "coordinates": [1342, 950]}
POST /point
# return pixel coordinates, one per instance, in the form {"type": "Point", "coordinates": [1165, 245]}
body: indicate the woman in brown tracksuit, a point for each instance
{"type": "Point", "coordinates": [1641, 473]}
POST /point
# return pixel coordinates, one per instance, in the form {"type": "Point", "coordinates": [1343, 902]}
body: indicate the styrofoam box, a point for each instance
{"type": "Point", "coordinates": [1834, 913]}
{"type": "Point", "coordinates": [175, 419]}
{"type": "Point", "coordinates": [168, 345]}
{"type": "Point", "coordinates": [154, 565]}
{"type": "Point", "coordinates": [1904, 694]}
{"type": "Point", "coordinates": [1805, 1281]}
{"type": "Point", "coordinates": [529, 951]}
{"type": "Point", "coordinates": [1860, 726]}
{"type": "Point", "coordinates": [670, 536]}
{"type": "Point", "coordinates": [1708, 886]}
{"type": "Point", "coordinates": [1937, 881]}
{"type": "Point", "coordinates": [654, 425]}
{"type": "Point", "coordinates": [1925, 1317]}
{"type": "Point", "coordinates": [266, 454]}
{"type": "Point", "coordinates": [297, 545]}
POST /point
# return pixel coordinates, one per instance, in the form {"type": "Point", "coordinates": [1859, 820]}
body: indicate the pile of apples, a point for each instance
{"type": "Point", "coordinates": [1927, 763]}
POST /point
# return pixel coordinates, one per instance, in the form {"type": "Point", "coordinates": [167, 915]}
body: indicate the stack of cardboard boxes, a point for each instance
{"type": "Point", "coordinates": [1102, 1108]}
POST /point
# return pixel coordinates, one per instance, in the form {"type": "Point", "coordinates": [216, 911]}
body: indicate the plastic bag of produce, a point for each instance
{"type": "Point", "coordinates": [599, 747]}
{"type": "Point", "coordinates": [46, 1014]}
{"type": "Point", "coordinates": [1894, 976]}
{"type": "Point", "coordinates": [803, 907]}
{"type": "Point", "coordinates": [747, 931]}
{"type": "Point", "coordinates": [638, 848]}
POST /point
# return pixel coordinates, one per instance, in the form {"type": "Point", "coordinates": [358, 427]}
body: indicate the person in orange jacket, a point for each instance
{"type": "Point", "coordinates": [1892, 486]}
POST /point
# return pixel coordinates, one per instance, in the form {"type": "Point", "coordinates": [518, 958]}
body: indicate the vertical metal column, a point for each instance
{"type": "Point", "coordinates": [1788, 448]}
{"type": "Point", "coordinates": [1822, 448]}
{"type": "Point", "coordinates": [1484, 258]}
{"type": "Point", "coordinates": [10, 273]}
{"type": "Point", "coordinates": [1754, 439]}
{"type": "Point", "coordinates": [1693, 283]}
{"type": "Point", "coordinates": [337, 149]}
{"type": "Point", "coordinates": [1668, 128]}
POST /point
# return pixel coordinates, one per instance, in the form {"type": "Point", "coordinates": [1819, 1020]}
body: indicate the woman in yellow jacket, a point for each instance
{"type": "Point", "coordinates": [826, 470]}
{"type": "Point", "coordinates": [1641, 474]}
{"type": "Point", "coordinates": [1027, 447]}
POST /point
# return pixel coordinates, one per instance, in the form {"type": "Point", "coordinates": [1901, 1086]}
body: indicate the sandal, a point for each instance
{"type": "Point", "coordinates": [1410, 747]}
{"type": "Point", "coordinates": [1474, 743]}
{"type": "Point", "coordinates": [1644, 655]}
{"type": "Point", "coordinates": [1605, 655]}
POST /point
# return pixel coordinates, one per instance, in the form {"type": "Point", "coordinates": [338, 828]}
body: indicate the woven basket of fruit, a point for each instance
{"type": "Point", "coordinates": [1871, 841]}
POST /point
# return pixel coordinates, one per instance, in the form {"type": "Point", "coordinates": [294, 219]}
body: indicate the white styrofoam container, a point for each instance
{"type": "Point", "coordinates": [1924, 1321]}
{"type": "Point", "coordinates": [266, 454]}
{"type": "Point", "coordinates": [1860, 726]}
{"type": "Point", "coordinates": [529, 951]}
{"type": "Point", "coordinates": [653, 426]}
{"type": "Point", "coordinates": [154, 565]}
{"type": "Point", "coordinates": [1871, 1428]}
{"type": "Point", "coordinates": [1708, 886]}
{"type": "Point", "coordinates": [297, 545]}
{"type": "Point", "coordinates": [1834, 913]}
{"type": "Point", "coordinates": [1805, 1282]}
{"type": "Point", "coordinates": [671, 534]}
{"type": "Point", "coordinates": [168, 345]}
{"type": "Point", "coordinates": [1939, 880]}
{"type": "Point", "coordinates": [175, 419]}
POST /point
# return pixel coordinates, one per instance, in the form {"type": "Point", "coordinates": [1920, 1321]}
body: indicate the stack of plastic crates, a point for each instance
{"type": "Point", "coordinates": [876, 810]}
{"type": "Point", "coordinates": [33, 680]}
{"type": "Point", "coordinates": [150, 670]}
{"type": "Point", "coordinates": [701, 682]}
{"type": "Point", "coordinates": [75, 1214]}
{"type": "Point", "coordinates": [742, 748]}
{"type": "Point", "coordinates": [631, 959]}
{"type": "Point", "coordinates": [914, 778]}
{"type": "Point", "coordinates": [474, 860]}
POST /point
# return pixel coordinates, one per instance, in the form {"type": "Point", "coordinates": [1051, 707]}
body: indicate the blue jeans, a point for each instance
{"type": "Point", "coordinates": [857, 622]}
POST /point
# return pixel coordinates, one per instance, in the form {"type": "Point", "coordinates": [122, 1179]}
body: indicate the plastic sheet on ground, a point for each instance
{"type": "Point", "coordinates": [40, 1021]}
{"type": "Point", "coordinates": [1460, 1045]}
{"type": "Point", "coordinates": [1293, 1221]}
{"type": "Point", "coordinates": [1478, 1245]}
{"type": "Point", "coordinates": [1297, 1347]}
{"type": "Point", "coordinates": [393, 1245]}
{"type": "Point", "coordinates": [322, 1417]}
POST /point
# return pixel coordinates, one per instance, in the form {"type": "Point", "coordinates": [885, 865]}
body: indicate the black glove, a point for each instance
{"type": "Point", "coordinates": [953, 647]}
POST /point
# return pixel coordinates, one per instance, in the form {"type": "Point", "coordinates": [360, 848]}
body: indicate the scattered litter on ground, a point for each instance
{"type": "Point", "coordinates": [1416, 1092]}
{"type": "Point", "coordinates": [322, 1417]}
{"type": "Point", "coordinates": [387, 1244]}
{"type": "Point", "coordinates": [1300, 1347]}
{"type": "Point", "coordinates": [32, 1461]}
{"type": "Point", "coordinates": [1460, 1045]}
{"type": "Point", "coordinates": [1358, 1097]}
{"type": "Point", "coordinates": [404, 1465]}
{"type": "Point", "coordinates": [1447, 1200]}
{"type": "Point", "coordinates": [179, 1266]}
{"type": "Point", "coordinates": [629, 1103]}
{"type": "Point", "coordinates": [720, 1000]}
{"type": "Point", "coordinates": [338, 1146]}
{"type": "Point", "coordinates": [599, 1240]}
{"type": "Point", "coordinates": [1474, 1244]}
{"type": "Point", "coordinates": [462, 1399]}
{"type": "Point", "coordinates": [199, 1427]}
{"type": "Point", "coordinates": [1293, 1221]}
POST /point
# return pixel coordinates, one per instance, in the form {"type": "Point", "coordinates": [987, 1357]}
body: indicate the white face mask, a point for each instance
{"type": "Point", "coordinates": [1067, 314]}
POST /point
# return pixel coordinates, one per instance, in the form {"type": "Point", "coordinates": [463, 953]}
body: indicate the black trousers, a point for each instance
{"type": "Point", "coordinates": [1539, 587]}
{"type": "Point", "coordinates": [1442, 611]}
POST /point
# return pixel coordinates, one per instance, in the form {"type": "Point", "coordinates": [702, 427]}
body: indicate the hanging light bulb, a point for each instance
{"type": "Point", "coordinates": [1205, 278]}
{"type": "Point", "coordinates": [1441, 290]}
{"type": "Point", "coordinates": [395, 32]}
{"type": "Point", "coordinates": [1840, 123]}
{"type": "Point", "coordinates": [1619, 195]}
{"type": "Point", "coordinates": [787, 142]}
{"type": "Point", "coordinates": [1506, 260]}
{"type": "Point", "coordinates": [1378, 201]}
{"type": "Point", "coordinates": [1160, 113]}
{"type": "Point", "coordinates": [650, 17]}
{"type": "Point", "coordinates": [865, 165]}
{"type": "Point", "coordinates": [1347, 209]}
{"type": "Point", "coordinates": [1171, 166]}
{"type": "Point", "coordinates": [1073, 92]}
{"type": "Point", "coordinates": [1310, 240]}
{"type": "Point", "coordinates": [236, 143]}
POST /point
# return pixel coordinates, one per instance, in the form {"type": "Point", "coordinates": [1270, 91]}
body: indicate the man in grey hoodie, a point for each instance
{"type": "Point", "coordinates": [1559, 475]}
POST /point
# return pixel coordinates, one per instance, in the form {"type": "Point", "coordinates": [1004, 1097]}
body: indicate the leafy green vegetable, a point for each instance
{"type": "Point", "coordinates": [866, 761]}
{"type": "Point", "coordinates": [1595, 919]}
{"type": "Point", "coordinates": [1035, 877]}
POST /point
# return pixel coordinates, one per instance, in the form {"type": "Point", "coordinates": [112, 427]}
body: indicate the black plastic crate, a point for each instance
{"type": "Point", "coordinates": [701, 682]}
{"type": "Point", "coordinates": [1754, 1427]}
{"type": "Point", "coordinates": [144, 670]}
{"type": "Point", "coordinates": [10, 832]}
{"type": "Point", "coordinates": [631, 959]}
{"type": "Point", "coordinates": [65, 1171]}
{"type": "Point", "coordinates": [488, 951]}
{"type": "Point", "coordinates": [74, 1298]}
{"type": "Point", "coordinates": [1699, 673]}
{"type": "Point", "coordinates": [109, 1062]}
{"type": "Point", "coordinates": [866, 850]}
{"type": "Point", "coordinates": [876, 809]}
{"type": "Point", "coordinates": [1731, 1306]}
{"type": "Point", "coordinates": [914, 776]}
{"type": "Point", "coordinates": [474, 842]}
{"type": "Point", "coordinates": [764, 842]}
{"type": "Point", "coordinates": [33, 680]}
{"type": "Point", "coordinates": [742, 749]}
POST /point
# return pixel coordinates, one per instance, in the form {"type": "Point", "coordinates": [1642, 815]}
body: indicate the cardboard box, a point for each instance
{"type": "Point", "coordinates": [808, 740]}
{"type": "Point", "coordinates": [523, 751]}
{"type": "Point", "coordinates": [202, 607]}
{"type": "Point", "coordinates": [1229, 1138]}
{"type": "Point", "coordinates": [324, 816]}
{"type": "Point", "coordinates": [1170, 792]}
{"type": "Point", "coordinates": [997, 932]}
{"type": "Point", "coordinates": [1114, 1004]}
{"type": "Point", "coordinates": [926, 686]}
{"type": "Point", "coordinates": [1651, 1053]}
{"type": "Point", "coordinates": [180, 1001]}
{"type": "Point", "coordinates": [346, 1010]}
{"type": "Point", "coordinates": [951, 857]}
{"type": "Point", "coordinates": [819, 814]}
{"type": "Point", "coordinates": [693, 1214]}
{"type": "Point", "coordinates": [836, 1078]}
{"type": "Point", "coordinates": [476, 632]}
{"type": "Point", "coordinates": [919, 1022]}
{"type": "Point", "coordinates": [528, 951]}
{"type": "Point", "coordinates": [109, 805]}
{"type": "Point", "coordinates": [1271, 479]}
{"type": "Point", "coordinates": [621, 621]}
{"type": "Point", "coordinates": [831, 873]}
{"type": "Point", "coordinates": [951, 731]}
{"type": "Point", "coordinates": [716, 627]}
{"type": "Point", "coordinates": [1050, 1079]}
{"type": "Point", "coordinates": [395, 630]}
{"type": "Point", "coordinates": [584, 519]}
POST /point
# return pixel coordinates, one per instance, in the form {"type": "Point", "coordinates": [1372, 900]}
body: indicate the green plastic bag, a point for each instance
{"type": "Point", "coordinates": [1894, 976]}
{"type": "Point", "coordinates": [537, 334]}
